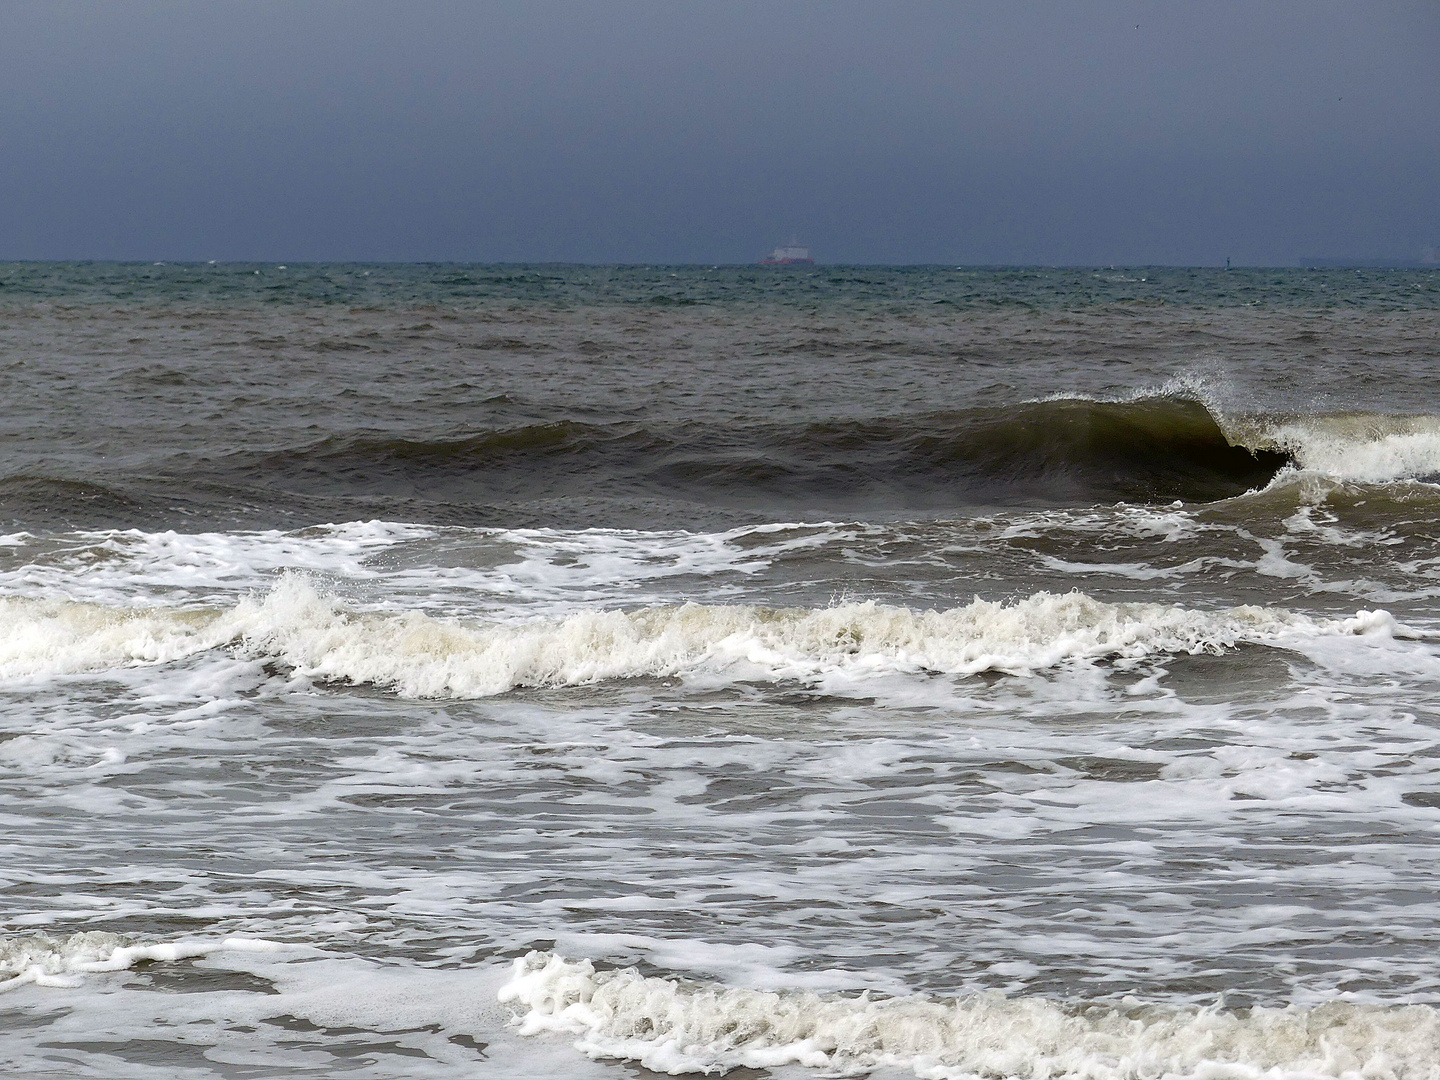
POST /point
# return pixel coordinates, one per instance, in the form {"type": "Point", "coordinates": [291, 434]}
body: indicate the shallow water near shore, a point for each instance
{"type": "Point", "coordinates": [573, 671]}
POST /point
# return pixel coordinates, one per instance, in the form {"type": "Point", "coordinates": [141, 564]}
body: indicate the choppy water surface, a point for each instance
{"type": "Point", "coordinates": [453, 671]}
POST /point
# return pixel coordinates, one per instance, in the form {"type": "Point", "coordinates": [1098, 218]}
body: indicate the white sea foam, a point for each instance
{"type": "Point", "coordinates": [111, 565]}
{"type": "Point", "coordinates": [318, 1014]}
{"type": "Point", "coordinates": [530, 568]}
{"type": "Point", "coordinates": [422, 656]}
{"type": "Point", "coordinates": [49, 961]}
{"type": "Point", "coordinates": [675, 1027]}
{"type": "Point", "coordinates": [1361, 448]}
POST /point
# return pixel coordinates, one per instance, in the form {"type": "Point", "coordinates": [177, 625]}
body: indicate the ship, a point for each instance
{"type": "Point", "coordinates": [792, 254]}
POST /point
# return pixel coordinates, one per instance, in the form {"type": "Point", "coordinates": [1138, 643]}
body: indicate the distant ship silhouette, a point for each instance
{"type": "Point", "coordinates": [792, 254]}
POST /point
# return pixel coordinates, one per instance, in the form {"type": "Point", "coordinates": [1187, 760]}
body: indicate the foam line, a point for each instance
{"type": "Point", "coordinates": [676, 1027]}
{"type": "Point", "coordinates": [419, 655]}
{"type": "Point", "coordinates": [48, 961]}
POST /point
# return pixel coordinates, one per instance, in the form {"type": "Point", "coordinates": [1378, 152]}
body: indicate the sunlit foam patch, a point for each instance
{"type": "Point", "coordinates": [672, 1026]}
{"type": "Point", "coordinates": [50, 961]}
{"type": "Point", "coordinates": [419, 655]}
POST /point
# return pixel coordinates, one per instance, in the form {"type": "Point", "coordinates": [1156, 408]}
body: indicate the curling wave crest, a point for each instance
{"type": "Point", "coordinates": [672, 1027]}
{"type": "Point", "coordinates": [419, 655]}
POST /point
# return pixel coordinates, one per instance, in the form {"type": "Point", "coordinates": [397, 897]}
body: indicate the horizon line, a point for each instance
{"type": "Point", "coordinates": [1314, 263]}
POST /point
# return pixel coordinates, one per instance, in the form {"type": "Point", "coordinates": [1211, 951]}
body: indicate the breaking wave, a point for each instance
{"type": "Point", "coordinates": [419, 655]}
{"type": "Point", "coordinates": [675, 1027]}
{"type": "Point", "coordinates": [1056, 452]}
{"type": "Point", "coordinates": [1364, 448]}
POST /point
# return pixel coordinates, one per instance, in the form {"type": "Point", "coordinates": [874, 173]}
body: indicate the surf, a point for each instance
{"type": "Point", "coordinates": [419, 655]}
{"type": "Point", "coordinates": [674, 1027]}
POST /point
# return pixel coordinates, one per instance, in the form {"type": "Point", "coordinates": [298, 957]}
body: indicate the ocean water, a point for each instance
{"type": "Point", "coordinates": [454, 671]}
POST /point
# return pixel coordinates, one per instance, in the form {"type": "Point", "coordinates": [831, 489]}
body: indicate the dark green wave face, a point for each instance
{"type": "Point", "coordinates": [1062, 453]}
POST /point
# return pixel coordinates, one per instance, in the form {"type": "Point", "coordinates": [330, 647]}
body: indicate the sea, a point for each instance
{"type": "Point", "coordinates": [604, 672]}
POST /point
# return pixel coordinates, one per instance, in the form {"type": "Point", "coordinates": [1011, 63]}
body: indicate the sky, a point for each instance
{"type": "Point", "coordinates": [885, 131]}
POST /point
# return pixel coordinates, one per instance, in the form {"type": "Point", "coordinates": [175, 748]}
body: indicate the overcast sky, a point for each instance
{"type": "Point", "coordinates": [674, 131]}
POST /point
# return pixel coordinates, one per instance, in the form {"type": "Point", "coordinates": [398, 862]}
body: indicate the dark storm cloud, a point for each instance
{"type": "Point", "coordinates": [1006, 132]}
